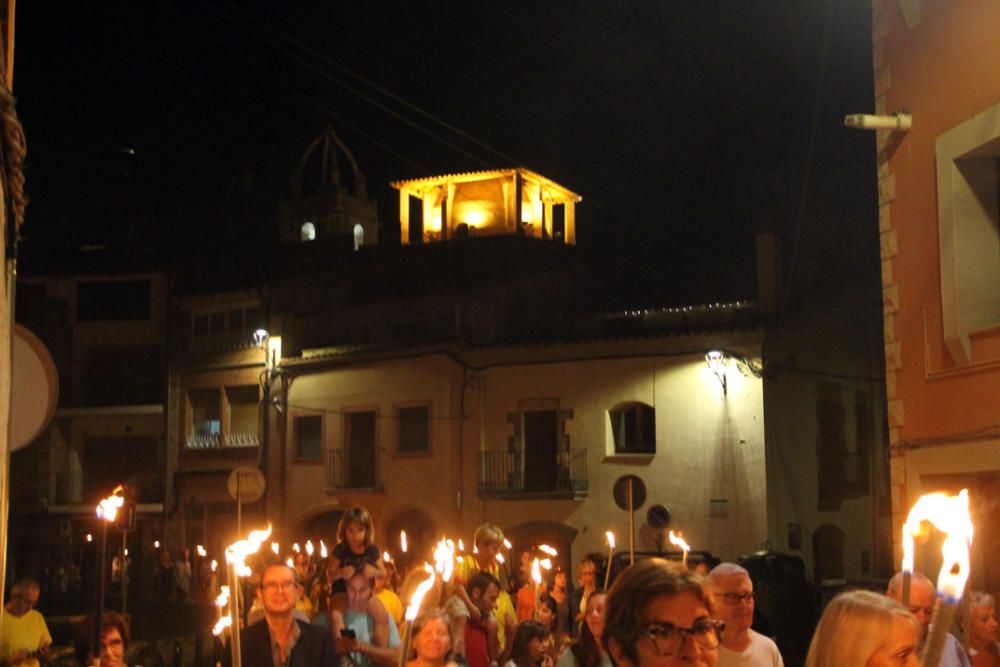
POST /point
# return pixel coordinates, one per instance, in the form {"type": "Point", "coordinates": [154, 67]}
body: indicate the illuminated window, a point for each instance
{"type": "Point", "coordinates": [414, 429]}
{"type": "Point", "coordinates": [633, 426]}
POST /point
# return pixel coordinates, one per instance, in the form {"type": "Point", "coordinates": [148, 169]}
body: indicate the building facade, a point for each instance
{"type": "Point", "coordinates": [940, 246]}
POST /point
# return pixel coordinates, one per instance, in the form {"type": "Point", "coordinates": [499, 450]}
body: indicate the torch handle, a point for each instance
{"type": "Point", "coordinates": [404, 648]}
{"type": "Point", "coordinates": [944, 616]}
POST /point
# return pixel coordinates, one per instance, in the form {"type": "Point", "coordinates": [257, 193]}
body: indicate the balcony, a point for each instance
{"type": "Point", "coordinates": [503, 475]}
{"type": "Point", "coordinates": [234, 440]}
{"type": "Point", "coordinates": [345, 471]}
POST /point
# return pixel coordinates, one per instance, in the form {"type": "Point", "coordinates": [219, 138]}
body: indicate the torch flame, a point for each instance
{"type": "Point", "coordinates": [500, 558]}
{"type": "Point", "coordinates": [309, 547]}
{"type": "Point", "coordinates": [402, 540]}
{"type": "Point", "coordinates": [223, 598]}
{"type": "Point", "coordinates": [461, 547]}
{"type": "Point", "coordinates": [506, 543]}
{"type": "Point", "coordinates": [418, 595]}
{"type": "Point", "coordinates": [201, 551]}
{"type": "Point", "coordinates": [322, 550]}
{"type": "Point", "coordinates": [547, 549]}
{"type": "Point", "coordinates": [611, 539]}
{"type": "Point", "coordinates": [444, 559]}
{"type": "Point", "coordinates": [215, 565]}
{"type": "Point", "coordinates": [950, 515]}
{"type": "Point", "coordinates": [678, 541]}
{"type": "Point", "coordinates": [536, 572]}
{"type": "Point", "coordinates": [546, 563]}
{"type": "Point", "coordinates": [220, 625]}
{"type": "Point", "coordinates": [386, 557]}
{"type": "Point", "coordinates": [290, 563]}
{"type": "Point", "coordinates": [276, 548]}
{"type": "Point", "coordinates": [237, 552]}
{"type": "Point", "coordinates": [107, 509]}
{"type": "Point", "coordinates": [296, 548]}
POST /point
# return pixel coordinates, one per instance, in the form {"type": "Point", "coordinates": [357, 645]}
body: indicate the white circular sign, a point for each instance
{"type": "Point", "coordinates": [246, 484]}
{"type": "Point", "coordinates": [34, 388]}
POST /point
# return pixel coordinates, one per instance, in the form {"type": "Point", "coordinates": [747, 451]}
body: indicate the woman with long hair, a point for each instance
{"type": "Point", "coordinates": [865, 629]}
{"type": "Point", "coordinates": [528, 648]}
{"type": "Point", "coordinates": [589, 650]}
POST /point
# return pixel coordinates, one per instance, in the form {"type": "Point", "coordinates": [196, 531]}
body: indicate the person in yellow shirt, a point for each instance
{"type": "Point", "coordinates": [488, 540]}
{"type": "Point", "coordinates": [24, 637]}
{"type": "Point", "coordinates": [390, 600]}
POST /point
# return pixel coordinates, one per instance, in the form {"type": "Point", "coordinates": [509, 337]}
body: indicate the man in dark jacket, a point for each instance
{"type": "Point", "coordinates": [280, 640]}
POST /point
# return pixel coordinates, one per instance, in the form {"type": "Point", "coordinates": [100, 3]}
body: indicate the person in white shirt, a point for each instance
{"type": "Point", "coordinates": [734, 604]}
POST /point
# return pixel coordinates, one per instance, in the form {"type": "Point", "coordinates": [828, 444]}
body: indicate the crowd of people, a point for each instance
{"type": "Point", "coordinates": [347, 611]}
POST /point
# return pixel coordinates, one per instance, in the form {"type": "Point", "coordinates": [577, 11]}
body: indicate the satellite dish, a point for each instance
{"type": "Point", "coordinates": [34, 388]}
{"type": "Point", "coordinates": [658, 517]}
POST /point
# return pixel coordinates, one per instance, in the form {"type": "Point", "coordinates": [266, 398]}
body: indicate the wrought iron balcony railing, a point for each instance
{"type": "Point", "coordinates": [222, 440]}
{"type": "Point", "coordinates": [351, 470]}
{"type": "Point", "coordinates": [520, 475]}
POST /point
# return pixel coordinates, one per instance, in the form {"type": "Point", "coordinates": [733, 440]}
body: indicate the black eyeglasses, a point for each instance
{"type": "Point", "coordinates": [668, 640]}
{"type": "Point", "coordinates": [735, 598]}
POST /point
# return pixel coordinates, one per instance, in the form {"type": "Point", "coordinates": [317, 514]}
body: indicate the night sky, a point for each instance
{"type": "Point", "coordinates": [685, 124]}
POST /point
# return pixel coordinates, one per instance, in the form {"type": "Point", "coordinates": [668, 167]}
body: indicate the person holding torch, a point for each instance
{"type": "Point", "coordinates": [281, 639]}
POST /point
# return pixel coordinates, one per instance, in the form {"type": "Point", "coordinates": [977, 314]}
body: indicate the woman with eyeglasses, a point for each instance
{"type": "Point", "coordinates": [589, 650]}
{"type": "Point", "coordinates": [114, 641]}
{"type": "Point", "coordinates": [658, 615]}
{"type": "Point", "coordinates": [865, 629]}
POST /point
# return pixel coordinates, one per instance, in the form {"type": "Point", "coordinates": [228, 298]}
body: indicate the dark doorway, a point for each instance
{"type": "Point", "coordinates": [360, 450]}
{"type": "Point", "coordinates": [540, 450]}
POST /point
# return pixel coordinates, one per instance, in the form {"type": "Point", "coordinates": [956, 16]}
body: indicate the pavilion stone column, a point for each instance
{"type": "Point", "coordinates": [404, 216]}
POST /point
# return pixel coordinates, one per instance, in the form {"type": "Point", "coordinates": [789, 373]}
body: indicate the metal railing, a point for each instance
{"type": "Point", "coordinates": [222, 440]}
{"type": "Point", "coordinates": [223, 342]}
{"type": "Point", "coordinates": [342, 473]}
{"type": "Point", "coordinates": [503, 475]}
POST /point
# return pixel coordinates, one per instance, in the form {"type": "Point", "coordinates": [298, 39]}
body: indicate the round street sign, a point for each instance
{"type": "Point", "coordinates": [248, 482]}
{"type": "Point", "coordinates": [621, 492]}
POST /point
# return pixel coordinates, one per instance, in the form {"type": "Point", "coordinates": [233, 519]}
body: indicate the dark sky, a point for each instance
{"type": "Point", "coordinates": [685, 124]}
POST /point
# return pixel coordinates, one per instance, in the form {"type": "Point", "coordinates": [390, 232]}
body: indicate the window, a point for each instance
{"type": "Point", "coordinates": [968, 166]}
{"type": "Point", "coordinates": [360, 449]}
{"type": "Point", "coordinates": [112, 301]}
{"type": "Point", "coordinates": [633, 426]}
{"type": "Point", "coordinates": [309, 438]}
{"type": "Point", "coordinates": [206, 423]}
{"type": "Point", "coordinates": [414, 429]}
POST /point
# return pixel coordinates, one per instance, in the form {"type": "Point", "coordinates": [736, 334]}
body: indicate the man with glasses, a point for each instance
{"type": "Point", "coordinates": [25, 637]}
{"type": "Point", "coordinates": [734, 604]}
{"type": "Point", "coordinates": [657, 615]}
{"type": "Point", "coordinates": [281, 640]}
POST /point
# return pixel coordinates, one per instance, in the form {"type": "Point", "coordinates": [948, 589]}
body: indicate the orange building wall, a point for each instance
{"type": "Point", "coordinates": [945, 69]}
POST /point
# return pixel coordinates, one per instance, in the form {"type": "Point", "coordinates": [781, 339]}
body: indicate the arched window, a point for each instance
{"type": "Point", "coordinates": [633, 426]}
{"type": "Point", "coordinates": [307, 232]}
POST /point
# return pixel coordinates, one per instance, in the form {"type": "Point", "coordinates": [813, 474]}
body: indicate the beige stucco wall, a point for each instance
{"type": "Point", "coordinates": [709, 445]}
{"type": "Point", "coordinates": [429, 482]}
